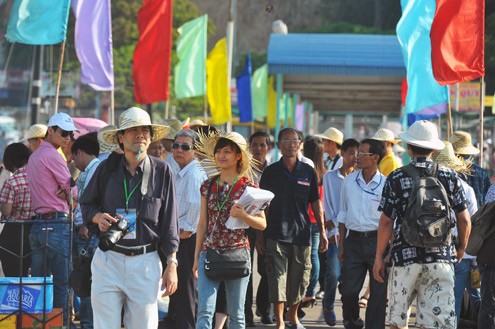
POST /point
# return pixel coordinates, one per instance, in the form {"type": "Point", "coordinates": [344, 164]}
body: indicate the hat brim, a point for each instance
{"type": "Point", "coordinates": [329, 139]}
{"type": "Point", "coordinates": [467, 150]}
{"type": "Point", "coordinates": [159, 132]}
{"type": "Point", "coordinates": [430, 145]}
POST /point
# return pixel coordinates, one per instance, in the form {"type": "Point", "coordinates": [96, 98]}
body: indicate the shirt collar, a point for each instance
{"type": "Point", "coordinates": [376, 178]}
{"type": "Point", "coordinates": [182, 172]}
{"type": "Point", "coordinates": [91, 163]}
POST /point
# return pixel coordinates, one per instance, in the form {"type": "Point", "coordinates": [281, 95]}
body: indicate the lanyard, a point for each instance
{"type": "Point", "coordinates": [220, 207]}
{"type": "Point", "coordinates": [83, 182]}
{"type": "Point", "coordinates": [128, 196]}
{"type": "Point", "coordinates": [372, 192]}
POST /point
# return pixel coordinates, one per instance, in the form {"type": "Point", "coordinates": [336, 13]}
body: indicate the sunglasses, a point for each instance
{"type": "Point", "coordinates": [184, 147]}
{"type": "Point", "coordinates": [65, 133]}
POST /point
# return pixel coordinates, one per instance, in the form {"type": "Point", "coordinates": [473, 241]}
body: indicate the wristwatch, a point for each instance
{"type": "Point", "coordinates": [172, 260]}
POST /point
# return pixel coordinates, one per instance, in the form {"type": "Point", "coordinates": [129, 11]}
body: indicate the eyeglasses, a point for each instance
{"type": "Point", "coordinates": [65, 133]}
{"type": "Point", "coordinates": [360, 153]}
{"type": "Point", "coordinates": [289, 141]}
{"type": "Point", "coordinates": [184, 147]}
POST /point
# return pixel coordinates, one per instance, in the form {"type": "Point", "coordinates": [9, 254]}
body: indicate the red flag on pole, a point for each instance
{"type": "Point", "coordinates": [151, 61]}
{"type": "Point", "coordinates": [457, 41]}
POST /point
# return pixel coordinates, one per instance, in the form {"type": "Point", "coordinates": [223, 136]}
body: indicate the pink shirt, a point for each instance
{"type": "Point", "coordinates": [46, 172]}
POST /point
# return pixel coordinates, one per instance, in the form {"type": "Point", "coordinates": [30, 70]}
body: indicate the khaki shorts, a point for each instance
{"type": "Point", "coordinates": [288, 268]}
{"type": "Point", "coordinates": [432, 285]}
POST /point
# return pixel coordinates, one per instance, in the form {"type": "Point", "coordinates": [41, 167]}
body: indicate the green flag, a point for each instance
{"type": "Point", "coordinates": [259, 90]}
{"type": "Point", "coordinates": [190, 72]}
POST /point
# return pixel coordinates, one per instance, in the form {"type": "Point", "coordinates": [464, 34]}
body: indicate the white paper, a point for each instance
{"type": "Point", "coordinates": [253, 200]}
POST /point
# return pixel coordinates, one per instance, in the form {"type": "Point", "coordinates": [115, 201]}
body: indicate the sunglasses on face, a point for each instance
{"type": "Point", "coordinates": [184, 147]}
{"type": "Point", "coordinates": [65, 133]}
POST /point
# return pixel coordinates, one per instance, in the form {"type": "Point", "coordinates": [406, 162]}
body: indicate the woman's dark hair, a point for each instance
{"type": "Point", "coordinates": [313, 149]}
{"type": "Point", "coordinates": [16, 155]}
{"type": "Point", "coordinates": [224, 142]}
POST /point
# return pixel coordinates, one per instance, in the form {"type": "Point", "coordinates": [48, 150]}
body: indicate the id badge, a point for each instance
{"type": "Point", "coordinates": [130, 217]}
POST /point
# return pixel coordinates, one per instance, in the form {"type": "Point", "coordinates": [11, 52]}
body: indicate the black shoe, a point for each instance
{"type": "Point", "coordinates": [267, 319]}
{"type": "Point", "coordinates": [250, 324]}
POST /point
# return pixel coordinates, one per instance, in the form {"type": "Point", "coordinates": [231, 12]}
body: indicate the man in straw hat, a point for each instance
{"type": "Point", "coordinates": [332, 141]}
{"type": "Point", "coordinates": [139, 189]}
{"type": "Point", "coordinates": [479, 179]}
{"type": "Point", "coordinates": [50, 181]}
{"type": "Point", "coordinates": [424, 273]}
{"type": "Point", "coordinates": [388, 163]}
{"type": "Point", "coordinates": [35, 135]}
{"type": "Point", "coordinates": [447, 158]}
{"type": "Point", "coordinates": [287, 236]}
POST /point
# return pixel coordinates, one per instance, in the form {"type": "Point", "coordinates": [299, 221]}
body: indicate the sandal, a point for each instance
{"type": "Point", "coordinates": [363, 302]}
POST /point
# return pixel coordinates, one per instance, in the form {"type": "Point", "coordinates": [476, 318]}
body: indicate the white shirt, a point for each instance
{"type": "Point", "coordinates": [472, 207]}
{"type": "Point", "coordinates": [359, 202]}
{"type": "Point", "coordinates": [187, 183]}
{"type": "Point", "coordinates": [306, 160]}
{"type": "Point", "coordinates": [332, 186]}
{"type": "Point", "coordinates": [329, 162]}
{"type": "Point", "coordinates": [86, 176]}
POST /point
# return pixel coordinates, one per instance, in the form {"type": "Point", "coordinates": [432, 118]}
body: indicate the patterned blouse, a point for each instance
{"type": "Point", "coordinates": [394, 201]}
{"type": "Point", "coordinates": [16, 192]}
{"type": "Point", "coordinates": [218, 236]}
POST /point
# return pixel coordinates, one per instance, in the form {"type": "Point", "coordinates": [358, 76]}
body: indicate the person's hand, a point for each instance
{"type": "Point", "coordinates": [238, 211]}
{"type": "Point", "coordinates": [329, 225]}
{"type": "Point", "coordinates": [82, 233]}
{"type": "Point", "coordinates": [379, 269]}
{"type": "Point", "coordinates": [185, 234]}
{"type": "Point", "coordinates": [460, 254]}
{"type": "Point", "coordinates": [195, 269]}
{"type": "Point", "coordinates": [62, 194]}
{"type": "Point", "coordinates": [341, 253]}
{"type": "Point", "coordinates": [169, 279]}
{"type": "Point", "coordinates": [323, 243]}
{"type": "Point", "coordinates": [105, 221]}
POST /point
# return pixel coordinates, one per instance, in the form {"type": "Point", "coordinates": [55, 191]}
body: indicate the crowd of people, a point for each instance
{"type": "Point", "coordinates": [150, 201]}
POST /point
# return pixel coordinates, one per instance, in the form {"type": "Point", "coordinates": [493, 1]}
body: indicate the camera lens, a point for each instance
{"type": "Point", "coordinates": [113, 235]}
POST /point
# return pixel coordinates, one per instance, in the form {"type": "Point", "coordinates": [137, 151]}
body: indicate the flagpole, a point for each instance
{"type": "Point", "coordinates": [449, 117]}
{"type": "Point", "coordinates": [482, 113]}
{"type": "Point", "coordinates": [166, 108]}
{"type": "Point", "coordinates": [59, 77]}
{"type": "Point", "coordinates": [205, 107]}
{"type": "Point", "coordinates": [111, 116]}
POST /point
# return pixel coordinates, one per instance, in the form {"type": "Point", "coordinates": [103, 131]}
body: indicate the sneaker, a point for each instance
{"type": "Point", "coordinates": [329, 316]}
{"type": "Point", "coordinates": [320, 294]}
{"type": "Point", "coordinates": [289, 325]}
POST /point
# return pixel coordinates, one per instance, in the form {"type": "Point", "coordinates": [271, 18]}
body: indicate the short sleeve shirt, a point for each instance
{"type": "Point", "coordinates": [219, 237]}
{"type": "Point", "coordinates": [16, 192]}
{"type": "Point", "coordinates": [287, 217]}
{"type": "Point", "coordinates": [394, 201]}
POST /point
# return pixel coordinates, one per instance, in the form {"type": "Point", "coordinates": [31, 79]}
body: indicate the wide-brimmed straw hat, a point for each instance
{"type": "Point", "coordinates": [197, 122]}
{"type": "Point", "coordinates": [385, 135]}
{"type": "Point", "coordinates": [462, 144]}
{"type": "Point", "coordinates": [447, 158]}
{"type": "Point", "coordinates": [135, 117]}
{"type": "Point", "coordinates": [423, 134]}
{"type": "Point", "coordinates": [175, 125]}
{"type": "Point", "coordinates": [37, 130]}
{"type": "Point", "coordinates": [332, 134]}
{"type": "Point", "coordinates": [207, 143]}
{"type": "Point", "coordinates": [104, 146]}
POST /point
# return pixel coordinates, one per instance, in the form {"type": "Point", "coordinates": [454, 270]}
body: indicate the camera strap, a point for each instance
{"type": "Point", "coordinates": [146, 176]}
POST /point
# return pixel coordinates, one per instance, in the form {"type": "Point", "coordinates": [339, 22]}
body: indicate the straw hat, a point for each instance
{"type": "Point", "coordinates": [36, 131]}
{"type": "Point", "coordinates": [175, 125]}
{"type": "Point", "coordinates": [135, 117]}
{"type": "Point", "coordinates": [197, 122]}
{"type": "Point", "coordinates": [206, 147]}
{"type": "Point", "coordinates": [462, 144]}
{"type": "Point", "coordinates": [104, 146]}
{"type": "Point", "coordinates": [332, 134]}
{"type": "Point", "coordinates": [447, 158]}
{"type": "Point", "coordinates": [385, 135]}
{"type": "Point", "coordinates": [423, 134]}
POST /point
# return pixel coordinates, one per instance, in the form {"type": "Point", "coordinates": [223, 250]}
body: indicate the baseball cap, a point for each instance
{"type": "Point", "coordinates": [63, 121]}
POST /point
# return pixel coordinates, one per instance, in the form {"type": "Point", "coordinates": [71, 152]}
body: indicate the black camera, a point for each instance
{"type": "Point", "coordinates": [114, 233]}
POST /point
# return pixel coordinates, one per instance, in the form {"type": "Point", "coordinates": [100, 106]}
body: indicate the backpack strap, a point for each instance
{"type": "Point", "coordinates": [415, 172]}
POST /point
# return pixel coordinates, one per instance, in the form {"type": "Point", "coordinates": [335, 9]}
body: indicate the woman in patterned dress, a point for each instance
{"type": "Point", "coordinates": [231, 157]}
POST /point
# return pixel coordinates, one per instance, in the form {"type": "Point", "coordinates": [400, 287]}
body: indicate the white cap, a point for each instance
{"type": "Point", "coordinates": [63, 121]}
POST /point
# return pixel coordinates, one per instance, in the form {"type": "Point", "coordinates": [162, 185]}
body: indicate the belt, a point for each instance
{"type": "Point", "coordinates": [134, 251]}
{"type": "Point", "coordinates": [51, 215]}
{"type": "Point", "coordinates": [368, 234]}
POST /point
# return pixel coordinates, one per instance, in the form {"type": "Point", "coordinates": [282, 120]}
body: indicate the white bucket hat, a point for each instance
{"type": "Point", "coordinates": [332, 134]}
{"type": "Point", "coordinates": [63, 121]}
{"type": "Point", "coordinates": [36, 131]}
{"type": "Point", "coordinates": [385, 135]}
{"type": "Point", "coordinates": [135, 117]}
{"type": "Point", "coordinates": [423, 134]}
{"type": "Point", "coordinates": [461, 141]}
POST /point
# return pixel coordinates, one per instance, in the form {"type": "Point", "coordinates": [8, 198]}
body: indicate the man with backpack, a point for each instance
{"type": "Point", "coordinates": [423, 252]}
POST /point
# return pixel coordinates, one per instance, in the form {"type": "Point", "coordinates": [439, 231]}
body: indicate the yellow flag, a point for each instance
{"type": "Point", "coordinates": [217, 83]}
{"type": "Point", "coordinates": [272, 104]}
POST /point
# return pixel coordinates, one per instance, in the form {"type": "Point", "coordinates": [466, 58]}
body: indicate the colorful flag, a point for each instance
{"type": "Point", "coordinates": [93, 39]}
{"type": "Point", "coordinates": [218, 89]}
{"type": "Point", "coordinates": [190, 73]}
{"type": "Point", "coordinates": [151, 61]}
{"type": "Point", "coordinates": [244, 97]}
{"type": "Point", "coordinates": [38, 22]}
{"type": "Point", "coordinates": [458, 41]}
{"type": "Point", "coordinates": [413, 32]}
{"type": "Point", "coordinates": [259, 90]}
{"type": "Point", "coordinates": [271, 116]}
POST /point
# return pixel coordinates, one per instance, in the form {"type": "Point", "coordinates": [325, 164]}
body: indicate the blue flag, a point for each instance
{"type": "Point", "coordinates": [244, 99]}
{"type": "Point", "coordinates": [38, 22]}
{"type": "Point", "coordinates": [424, 94]}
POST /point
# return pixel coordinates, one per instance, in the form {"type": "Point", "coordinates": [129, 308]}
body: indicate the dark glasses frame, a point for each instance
{"type": "Point", "coordinates": [184, 147]}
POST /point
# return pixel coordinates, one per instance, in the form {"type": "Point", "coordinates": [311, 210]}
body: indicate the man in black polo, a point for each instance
{"type": "Point", "coordinates": [139, 189]}
{"type": "Point", "coordinates": [287, 236]}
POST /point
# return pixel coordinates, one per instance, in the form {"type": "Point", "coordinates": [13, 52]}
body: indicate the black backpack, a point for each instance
{"type": "Point", "coordinates": [429, 218]}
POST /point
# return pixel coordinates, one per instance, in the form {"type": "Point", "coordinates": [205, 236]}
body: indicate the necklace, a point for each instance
{"type": "Point", "coordinates": [220, 206]}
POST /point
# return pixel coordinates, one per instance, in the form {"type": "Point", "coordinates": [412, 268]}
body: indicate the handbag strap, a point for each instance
{"type": "Point", "coordinates": [208, 192]}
